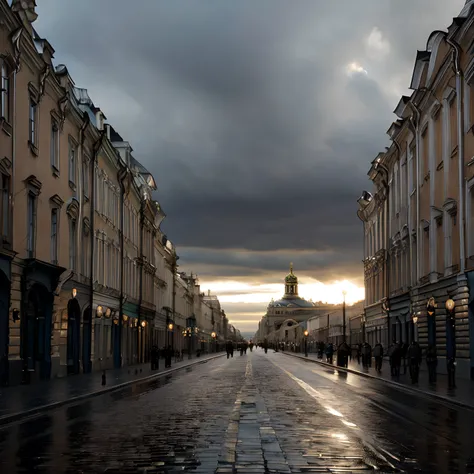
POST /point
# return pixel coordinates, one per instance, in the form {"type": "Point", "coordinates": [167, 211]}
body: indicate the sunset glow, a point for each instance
{"type": "Point", "coordinates": [258, 296]}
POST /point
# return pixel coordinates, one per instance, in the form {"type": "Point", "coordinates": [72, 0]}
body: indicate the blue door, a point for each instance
{"type": "Point", "coordinates": [36, 331]}
{"type": "Point", "coordinates": [86, 341]}
{"type": "Point", "coordinates": [4, 305]}
{"type": "Point", "coordinates": [73, 336]}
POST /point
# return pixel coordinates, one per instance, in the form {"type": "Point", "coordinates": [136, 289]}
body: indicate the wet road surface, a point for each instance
{"type": "Point", "coordinates": [252, 414]}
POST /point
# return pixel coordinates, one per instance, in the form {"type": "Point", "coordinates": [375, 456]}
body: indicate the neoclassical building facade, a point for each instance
{"type": "Point", "coordinates": [419, 218]}
{"type": "Point", "coordinates": [85, 269]}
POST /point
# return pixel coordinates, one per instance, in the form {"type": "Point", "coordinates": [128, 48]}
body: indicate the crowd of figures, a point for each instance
{"type": "Point", "coordinates": [400, 356]}
{"type": "Point", "coordinates": [242, 347]}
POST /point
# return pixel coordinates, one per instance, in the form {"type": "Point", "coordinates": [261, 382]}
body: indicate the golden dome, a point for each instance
{"type": "Point", "coordinates": [291, 277]}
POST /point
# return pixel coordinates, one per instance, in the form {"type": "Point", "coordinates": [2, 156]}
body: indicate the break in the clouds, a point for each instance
{"type": "Point", "coordinates": [258, 119]}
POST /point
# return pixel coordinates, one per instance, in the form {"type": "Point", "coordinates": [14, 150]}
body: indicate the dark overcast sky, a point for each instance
{"type": "Point", "coordinates": [258, 118]}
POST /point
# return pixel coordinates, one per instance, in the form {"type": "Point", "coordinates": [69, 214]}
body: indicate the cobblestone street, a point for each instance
{"type": "Point", "coordinates": [260, 413]}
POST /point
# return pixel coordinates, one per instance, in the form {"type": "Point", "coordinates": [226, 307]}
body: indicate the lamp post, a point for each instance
{"type": "Point", "coordinates": [451, 342]}
{"type": "Point", "coordinates": [344, 293]}
{"type": "Point", "coordinates": [213, 335]}
{"type": "Point", "coordinates": [170, 326]}
{"type": "Point", "coordinates": [363, 321]}
{"type": "Point", "coordinates": [431, 309]}
{"type": "Point", "coordinates": [306, 343]}
{"type": "Point", "coordinates": [414, 318]}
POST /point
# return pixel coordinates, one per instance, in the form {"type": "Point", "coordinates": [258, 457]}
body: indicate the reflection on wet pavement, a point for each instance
{"type": "Point", "coordinates": [252, 414]}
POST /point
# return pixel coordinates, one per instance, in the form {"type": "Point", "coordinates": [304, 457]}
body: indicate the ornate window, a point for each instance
{"type": "Point", "coordinates": [5, 208]}
{"type": "Point", "coordinates": [73, 214]}
{"type": "Point", "coordinates": [33, 191]}
{"type": "Point", "coordinates": [54, 145]}
{"type": "Point", "coordinates": [72, 162]}
{"type": "Point", "coordinates": [85, 176]}
{"type": "Point", "coordinates": [54, 236]}
{"type": "Point", "coordinates": [5, 92]}
{"type": "Point", "coordinates": [33, 119]}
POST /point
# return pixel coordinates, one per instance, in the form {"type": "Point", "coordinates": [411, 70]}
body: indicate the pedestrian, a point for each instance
{"type": "Point", "coordinates": [366, 355]}
{"type": "Point", "coordinates": [414, 358]}
{"type": "Point", "coordinates": [358, 352]}
{"type": "Point", "coordinates": [229, 349]}
{"type": "Point", "coordinates": [378, 356]}
{"type": "Point", "coordinates": [431, 362]}
{"type": "Point", "coordinates": [168, 356]}
{"type": "Point", "coordinates": [397, 359]}
{"type": "Point", "coordinates": [154, 356]}
{"type": "Point", "coordinates": [404, 357]}
{"type": "Point", "coordinates": [329, 353]}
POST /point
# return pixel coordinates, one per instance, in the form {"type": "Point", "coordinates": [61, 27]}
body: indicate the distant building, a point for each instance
{"type": "Point", "coordinates": [290, 307]}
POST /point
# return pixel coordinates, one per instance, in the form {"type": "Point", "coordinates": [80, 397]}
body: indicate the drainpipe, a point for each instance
{"type": "Point", "coordinates": [173, 301]}
{"type": "Point", "coordinates": [82, 136]}
{"type": "Point", "coordinates": [140, 280]}
{"type": "Point", "coordinates": [459, 77]}
{"type": "Point", "coordinates": [415, 126]}
{"type": "Point", "coordinates": [12, 183]}
{"type": "Point", "coordinates": [359, 215]}
{"type": "Point", "coordinates": [96, 149]}
{"type": "Point", "coordinates": [399, 148]}
{"type": "Point", "coordinates": [387, 243]}
{"type": "Point", "coordinates": [122, 176]}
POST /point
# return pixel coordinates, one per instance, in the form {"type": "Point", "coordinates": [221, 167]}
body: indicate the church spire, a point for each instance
{"type": "Point", "coordinates": [291, 284]}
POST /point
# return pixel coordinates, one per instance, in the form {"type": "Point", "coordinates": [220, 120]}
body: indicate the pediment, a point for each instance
{"type": "Point", "coordinates": [56, 200]}
{"type": "Point", "coordinates": [72, 208]}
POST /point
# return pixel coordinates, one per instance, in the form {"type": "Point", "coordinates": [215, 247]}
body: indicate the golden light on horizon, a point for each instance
{"type": "Point", "coordinates": [239, 292]}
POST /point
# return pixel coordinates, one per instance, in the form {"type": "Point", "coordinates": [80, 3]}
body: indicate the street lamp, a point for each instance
{"type": "Point", "coordinates": [451, 342]}
{"type": "Point", "coordinates": [344, 293]}
{"type": "Point", "coordinates": [306, 343]}
{"type": "Point", "coordinates": [414, 318]}
{"type": "Point", "coordinates": [213, 335]}
{"type": "Point", "coordinates": [431, 309]}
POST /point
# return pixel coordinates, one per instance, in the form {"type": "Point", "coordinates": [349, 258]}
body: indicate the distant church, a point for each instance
{"type": "Point", "coordinates": [290, 307]}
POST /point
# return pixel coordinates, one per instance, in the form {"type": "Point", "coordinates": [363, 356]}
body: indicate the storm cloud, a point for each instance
{"type": "Point", "coordinates": [258, 119]}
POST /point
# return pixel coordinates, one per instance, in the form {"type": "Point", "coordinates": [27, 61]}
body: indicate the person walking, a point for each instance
{"type": "Point", "coordinates": [431, 362]}
{"type": "Point", "coordinates": [414, 358]}
{"type": "Point", "coordinates": [168, 356]}
{"type": "Point", "coordinates": [155, 357]}
{"type": "Point", "coordinates": [378, 356]}
{"type": "Point", "coordinates": [329, 353]}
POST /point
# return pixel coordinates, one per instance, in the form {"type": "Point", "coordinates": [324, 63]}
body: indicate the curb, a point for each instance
{"type": "Point", "coordinates": [389, 382]}
{"type": "Point", "coordinates": [6, 419]}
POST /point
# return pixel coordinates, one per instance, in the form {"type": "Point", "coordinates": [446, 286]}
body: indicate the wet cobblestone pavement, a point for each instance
{"type": "Point", "coordinates": [252, 414]}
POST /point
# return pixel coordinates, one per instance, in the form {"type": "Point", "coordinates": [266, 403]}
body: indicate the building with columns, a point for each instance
{"type": "Point", "coordinates": [418, 218]}
{"type": "Point", "coordinates": [88, 280]}
{"type": "Point", "coordinates": [290, 307]}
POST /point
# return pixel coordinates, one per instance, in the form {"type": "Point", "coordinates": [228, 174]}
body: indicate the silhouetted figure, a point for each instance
{"type": "Point", "coordinates": [229, 349]}
{"type": "Point", "coordinates": [414, 358]}
{"type": "Point", "coordinates": [329, 353]}
{"type": "Point", "coordinates": [378, 356]}
{"type": "Point", "coordinates": [155, 357]}
{"type": "Point", "coordinates": [431, 362]}
{"type": "Point", "coordinates": [168, 356]}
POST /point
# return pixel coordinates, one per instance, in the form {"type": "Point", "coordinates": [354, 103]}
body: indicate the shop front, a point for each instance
{"type": "Point", "coordinates": [39, 281]}
{"type": "Point", "coordinates": [5, 288]}
{"type": "Point", "coordinates": [130, 334]}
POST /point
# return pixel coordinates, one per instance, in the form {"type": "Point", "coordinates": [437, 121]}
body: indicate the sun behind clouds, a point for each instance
{"type": "Point", "coordinates": [309, 289]}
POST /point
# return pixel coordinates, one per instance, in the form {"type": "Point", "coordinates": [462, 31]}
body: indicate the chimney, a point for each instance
{"type": "Point", "coordinates": [99, 119]}
{"type": "Point", "coordinates": [26, 12]}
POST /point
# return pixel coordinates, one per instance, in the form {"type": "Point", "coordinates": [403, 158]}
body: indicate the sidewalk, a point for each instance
{"type": "Point", "coordinates": [462, 395]}
{"type": "Point", "coordinates": [25, 400]}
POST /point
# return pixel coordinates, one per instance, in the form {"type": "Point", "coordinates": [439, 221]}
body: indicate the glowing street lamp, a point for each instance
{"type": "Point", "coordinates": [306, 333]}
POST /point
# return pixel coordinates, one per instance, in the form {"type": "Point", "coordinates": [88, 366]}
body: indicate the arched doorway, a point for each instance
{"type": "Point", "coordinates": [36, 332]}
{"type": "Point", "coordinates": [73, 336]}
{"type": "Point", "coordinates": [4, 307]}
{"type": "Point", "coordinates": [87, 340]}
